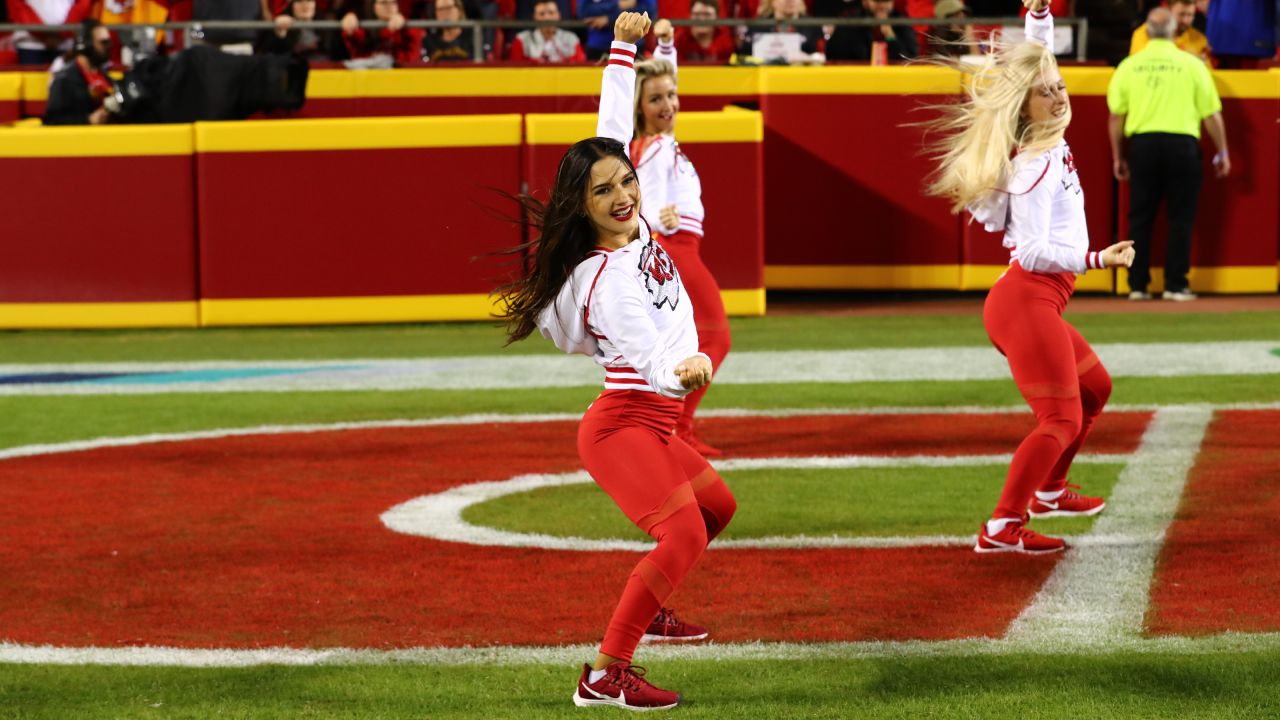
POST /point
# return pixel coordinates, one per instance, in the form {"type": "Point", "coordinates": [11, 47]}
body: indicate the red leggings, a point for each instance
{"type": "Point", "coordinates": [708, 312]}
{"type": "Point", "coordinates": [1055, 370]}
{"type": "Point", "coordinates": [663, 486]}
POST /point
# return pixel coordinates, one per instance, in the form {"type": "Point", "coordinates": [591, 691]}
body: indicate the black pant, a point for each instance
{"type": "Point", "coordinates": [1162, 166]}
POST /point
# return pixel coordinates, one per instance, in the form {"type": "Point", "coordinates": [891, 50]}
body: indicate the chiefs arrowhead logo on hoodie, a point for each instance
{"type": "Point", "coordinates": [660, 276]}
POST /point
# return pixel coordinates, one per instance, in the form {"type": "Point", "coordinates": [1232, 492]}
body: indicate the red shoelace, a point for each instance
{"type": "Point", "coordinates": [667, 617]}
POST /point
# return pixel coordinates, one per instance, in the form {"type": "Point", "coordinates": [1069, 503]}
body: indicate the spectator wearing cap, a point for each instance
{"type": "Point", "coordinates": [958, 38]}
{"type": "Point", "coordinates": [548, 43]}
{"type": "Point", "coordinates": [1186, 37]}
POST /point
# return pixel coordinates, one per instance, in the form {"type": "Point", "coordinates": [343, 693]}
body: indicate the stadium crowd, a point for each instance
{"type": "Point", "coordinates": [1227, 33]}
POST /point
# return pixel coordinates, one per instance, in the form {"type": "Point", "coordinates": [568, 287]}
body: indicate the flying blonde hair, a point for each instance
{"type": "Point", "coordinates": [980, 133]}
{"type": "Point", "coordinates": [644, 71]}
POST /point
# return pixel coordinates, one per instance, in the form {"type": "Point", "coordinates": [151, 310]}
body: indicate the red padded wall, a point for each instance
{"type": "Point", "coordinates": [98, 229]}
{"type": "Point", "coordinates": [397, 222]}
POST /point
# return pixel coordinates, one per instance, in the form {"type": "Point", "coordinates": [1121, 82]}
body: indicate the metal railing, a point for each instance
{"type": "Point", "coordinates": [478, 27]}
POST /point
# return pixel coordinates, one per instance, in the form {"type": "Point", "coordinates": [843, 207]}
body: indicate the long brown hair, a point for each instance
{"type": "Point", "coordinates": [565, 236]}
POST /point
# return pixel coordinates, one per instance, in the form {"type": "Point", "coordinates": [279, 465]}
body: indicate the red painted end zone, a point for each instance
{"type": "Point", "coordinates": [1219, 569]}
{"type": "Point", "coordinates": [947, 434]}
{"type": "Point", "coordinates": [275, 540]}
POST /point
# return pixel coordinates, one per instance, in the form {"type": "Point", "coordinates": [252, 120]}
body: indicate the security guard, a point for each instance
{"type": "Point", "coordinates": [1158, 97]}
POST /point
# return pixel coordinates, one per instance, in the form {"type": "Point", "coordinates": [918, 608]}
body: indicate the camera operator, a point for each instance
{"type": "Point", "coordinates": [78, 91]}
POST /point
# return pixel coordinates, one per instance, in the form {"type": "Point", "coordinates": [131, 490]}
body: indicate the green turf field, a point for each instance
{"type": "Point", "coordinates": [1215, 686]}
{"type": "Point", "coordinates": [1214, 683]}
{"type": "Point", "coordinates": [857, 502]}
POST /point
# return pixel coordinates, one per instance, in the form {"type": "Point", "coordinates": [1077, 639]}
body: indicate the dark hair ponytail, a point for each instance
{"type": "Point", "coordinates": [565, 236]}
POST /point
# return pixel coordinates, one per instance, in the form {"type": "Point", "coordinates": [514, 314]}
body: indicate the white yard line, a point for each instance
{"type": "Point", "coordinates": [569, 655]}
{"type": "Point", "coordinates": [1098, 594]}
{"type": "Point", "coordinates": [546, 371]}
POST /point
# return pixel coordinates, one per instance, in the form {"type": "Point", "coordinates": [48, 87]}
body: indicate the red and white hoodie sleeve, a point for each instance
{"type": "Point", "coordinates": [564, 321]}
{"type": "Point", "coordinates": [667, 51]}
{"type": "Point", "coordinates": [1039, 27]}
{"type": "Point", "coordinates": [617, 95]}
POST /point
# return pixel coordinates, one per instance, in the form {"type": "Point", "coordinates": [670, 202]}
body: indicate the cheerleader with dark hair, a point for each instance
{"type": "Point", "coordinates": [600, 285]}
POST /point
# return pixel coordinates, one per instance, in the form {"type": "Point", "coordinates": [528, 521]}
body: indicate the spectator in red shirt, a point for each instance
{"type": "Point", "coordinates": [548, 43]}
{"type": "Point", "coordinates": [397, 43]}
{"type": "Point", "coordinates": [705, 42]}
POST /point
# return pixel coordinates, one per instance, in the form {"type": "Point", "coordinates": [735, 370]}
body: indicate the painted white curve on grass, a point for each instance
{"type": "Point", "coordinates": [439, 516]}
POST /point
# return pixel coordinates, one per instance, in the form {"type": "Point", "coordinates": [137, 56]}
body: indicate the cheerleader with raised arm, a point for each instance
{"type": "Point", "coordinates": [672, 206]}
{"type": "Point", "coordinates": [600, 285]}
{"type": "Point", "coordinates": [1005, 159]}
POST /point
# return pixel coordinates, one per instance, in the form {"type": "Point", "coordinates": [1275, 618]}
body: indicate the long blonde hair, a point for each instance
{"type": "Point", "coordinates": [644, 71]}
{"type": "Point", "coordinates": [980, 133]}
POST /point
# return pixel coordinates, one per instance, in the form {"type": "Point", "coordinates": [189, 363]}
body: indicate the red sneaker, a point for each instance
{"type": "Point", "coordinates": [703, 449]}
{"type": "Point", "coordinates": [666, 627]}
{"type": "Point", "coordinates": [1068, 504]}
{"type": "Point", "coordinates": [623, 685]}
{"type": "Point", "coordinates": [1015, 537]}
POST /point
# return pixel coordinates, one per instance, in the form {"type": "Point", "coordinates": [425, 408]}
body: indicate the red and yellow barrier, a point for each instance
{"type": "Point", "coordinates": [403, 218]}
{"type": "Point", "coordinates": [310, 221]}
{"type": "Point", "coordinates": [99, 227]}
{"type": "Point", "coordinates": [307, 221]}
{"type": "Point", "coordinates": [10, 97]}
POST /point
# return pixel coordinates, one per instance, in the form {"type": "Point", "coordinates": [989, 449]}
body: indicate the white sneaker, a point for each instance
{"type": "Point", "coordinates": [1180, 296]}
{"type": "Point", "coordinates": [1139, 295]}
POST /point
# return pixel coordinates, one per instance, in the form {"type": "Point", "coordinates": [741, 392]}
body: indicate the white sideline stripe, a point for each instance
{"type": "Point", "coordinates": [569, 655]}
{"type": "Point", "coordinates": [1099, 594]}
{"type": "Point", "coordinates": [439, 516]}
{"type": "Point", "coordinates": [742, 367]}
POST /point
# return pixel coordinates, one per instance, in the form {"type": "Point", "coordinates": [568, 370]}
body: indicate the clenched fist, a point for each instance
{"type": "Point", "coordinates": [630, 27]}
{"type": "Point", "coordinates": [1119, 254]}
{"type": "Point", "coordinates": [694, 373]}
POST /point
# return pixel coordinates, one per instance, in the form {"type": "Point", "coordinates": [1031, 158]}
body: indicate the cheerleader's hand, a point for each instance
{"type": "Point", "coordinates": [1119, 254]}
{"type": "Point", "coordinates": [694, 373]}
{"type": "Point", "coordinates": [669, 216]}
{"type": "Point", "coordinates": [1035, 5]}
{"type": "Point", "coordinates": [630, 27]}
{"type": "Point", "coordinates": [663, 31]}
